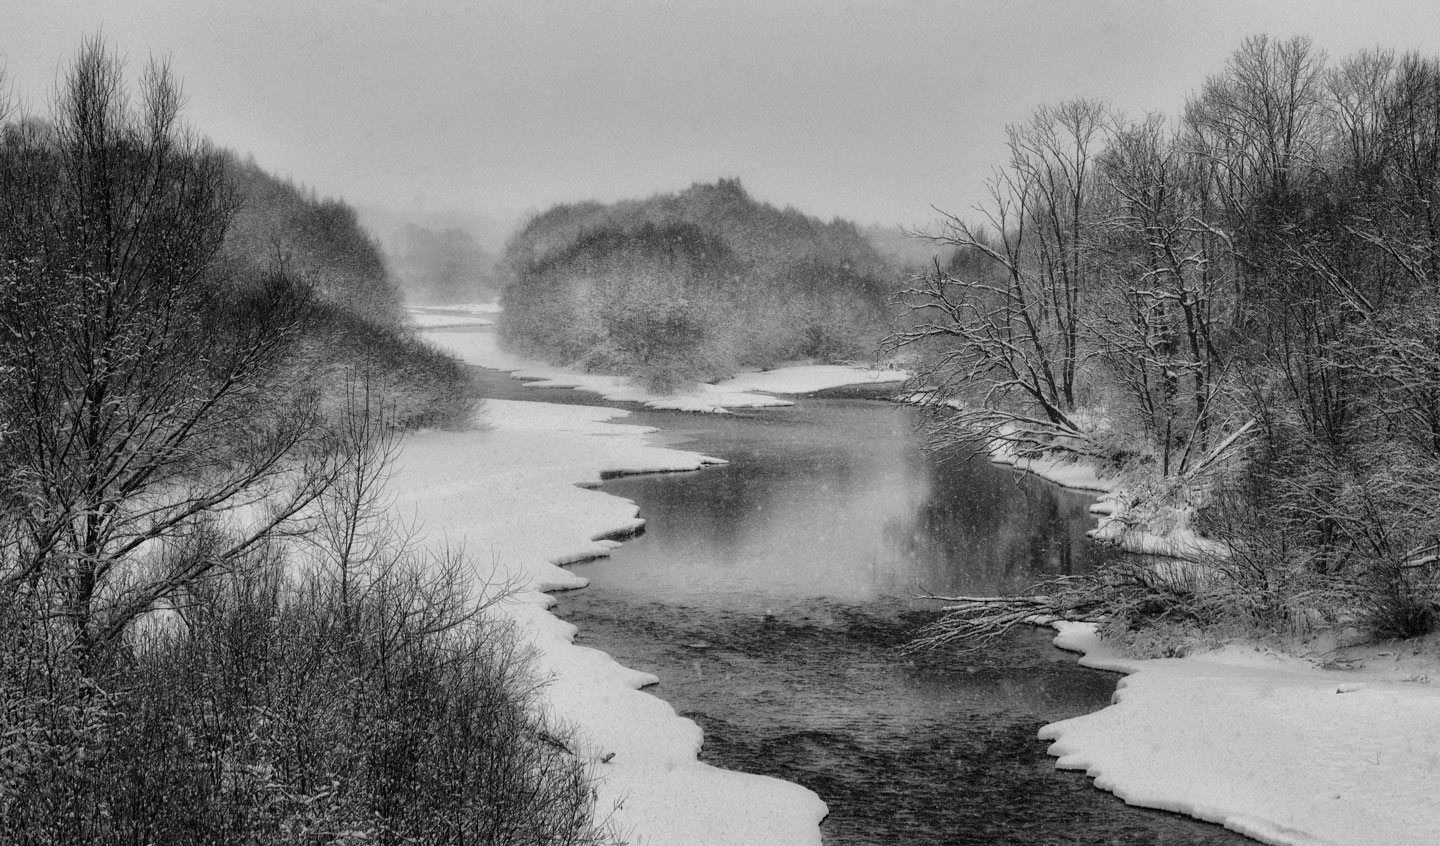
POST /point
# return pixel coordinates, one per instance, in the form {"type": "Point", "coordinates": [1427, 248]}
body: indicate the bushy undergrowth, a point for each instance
{"type": "Point", "coordinates": [210, 630]}
{"type": "Point", "coordinates": [422, 385]}
{"type": "Point", "coordinates": [355, 324]}
{"type": "Point", "coordinates": [275, 708]}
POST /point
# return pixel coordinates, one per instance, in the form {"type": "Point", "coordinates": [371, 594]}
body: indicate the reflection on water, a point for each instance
{"type": "Point", "coordinates": [833, 499]}
{"type": "Point", "coordinates": [769, 596]}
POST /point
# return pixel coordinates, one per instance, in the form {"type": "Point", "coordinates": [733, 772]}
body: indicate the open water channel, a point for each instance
{"type": "Point", "coordinates": [769, 596]}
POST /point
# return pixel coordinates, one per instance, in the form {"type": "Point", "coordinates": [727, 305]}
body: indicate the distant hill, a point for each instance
{"type": "Point", "coordinates": [319, 239]}
{"type": "Point", "coordinates": [358, 322]}
{"type": "Point", "coordinates": [692, 285]}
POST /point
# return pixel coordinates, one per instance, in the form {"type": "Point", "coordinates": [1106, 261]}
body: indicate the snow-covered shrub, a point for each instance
{"type": "Point", "coordinates": [276, 709]}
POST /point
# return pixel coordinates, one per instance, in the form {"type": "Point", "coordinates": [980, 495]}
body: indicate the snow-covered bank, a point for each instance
{"type": "Point", "coordinates": [1063, 471]}
{"type": "Point", "coordinates": [482, 349]}
{"type": "Point", "coordinates": [809, 378]}
{"type": "Point", "coordinates": [516, 497]}
{"type": "Point", "coordinates": [1271, 746]}
{"type": "Point", "coordinates": [1274, 747]}
{"type": "Point", "coordinates": [1125, 521]}
{"type": "Point", "coordinates": [431, 320]}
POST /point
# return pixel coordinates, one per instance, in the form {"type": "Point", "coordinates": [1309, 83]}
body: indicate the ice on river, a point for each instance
{"type": "Point", "coordinates": [482, 349]}
{"type": "Point", "coordinates": [809, 378]}
{"type": "Point", "coordinates": [1273, 747]}
{"type": "Point", "coordinates": [517, 496]}
{"type": "Point", "coordinates": [421, 319]}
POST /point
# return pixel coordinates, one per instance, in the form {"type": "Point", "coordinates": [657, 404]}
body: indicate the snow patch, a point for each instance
{"type": "Point", "coordinates": [515, 497]}
{"type": "Point", "coordinates": [1261, 743]}
{"type": "Point", "coordinates": [482, 349]}
{"type": "Point", "coordinates": [423, 319]}
{"type": "Point", "coordinates": [1063, 470]}
{"type": "Point", "coordinates": [807, 379]}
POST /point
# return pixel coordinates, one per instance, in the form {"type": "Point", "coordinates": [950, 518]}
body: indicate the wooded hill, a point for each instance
{"type": "Point", "coordinates": [356, 306]}
{"type": "Point", "coordinates": [693, 285]}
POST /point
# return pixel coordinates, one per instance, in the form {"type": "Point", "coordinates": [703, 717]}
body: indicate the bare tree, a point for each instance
{"type": "Point", "coordinates": [1258, 122]}
{"type": "Point", "coordinates": [1011, 338]}
{"type": "Point", "coordinates": [158, 430]}
{"type": "Point", "coordinates": [1164, 308]}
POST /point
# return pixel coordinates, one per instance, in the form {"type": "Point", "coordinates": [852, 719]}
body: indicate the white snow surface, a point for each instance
{"type": "Point", "coordinates": [515, 497]}
{"type": "Point", "coordinates": [809, 378]}
{"type": "Point", "coordinates": [1274, 747]}
{"type": "Point", "coordinates": [1179, 540]}
{"type": "Point", "coordinates": [422, 319]}
{"type": "Point", "coordinates": [1064, 472]}
{"type": "Point", "coordinates": [482, 349]}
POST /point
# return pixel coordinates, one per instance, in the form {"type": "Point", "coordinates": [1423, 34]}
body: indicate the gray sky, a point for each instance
{"type": "Point", "coordinates": [873, 111]}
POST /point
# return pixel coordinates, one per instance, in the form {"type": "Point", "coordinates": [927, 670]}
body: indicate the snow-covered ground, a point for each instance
{"type": "Point", "coordinates": [431, 320]}
{"type": "Point", "coordinates": [452, 316]}
{"type": "Point", "coordinates": [516, 497]}
{"type": "Point", "coordinates": [1284, 749]}
{"type": "Point", "coordinates": [1119, 523]}
{"type": "Point", "coordinates": [1274, 747]}
{"type": "Point", "coordinates": [807, 379]}
{"type": "Point", "coordinates": [1062, 471]}
{"type": "Point", "coordinates": [1279, 748]}
{"type": "Point", "coordinates": [483, 350]}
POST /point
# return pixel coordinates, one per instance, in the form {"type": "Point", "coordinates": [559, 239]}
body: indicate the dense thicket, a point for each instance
{"type": "Point", "coordinates": [279, 224]}
{"type": "Point", "coordinates": [209, 630]}
{"type": "Point", "coordinates": [691, 286]}
{"type": "Point", "coordinates": [1242, 301]}
{"type": "Point", "coordinates": [355, 319]}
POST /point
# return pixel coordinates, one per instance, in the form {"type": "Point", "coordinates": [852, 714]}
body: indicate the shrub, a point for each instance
{"type": "Point", "coordinates": [273, 709]}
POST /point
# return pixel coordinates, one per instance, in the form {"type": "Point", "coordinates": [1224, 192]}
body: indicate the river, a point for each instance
{"type": "Point", "coordinates": [769, 596]}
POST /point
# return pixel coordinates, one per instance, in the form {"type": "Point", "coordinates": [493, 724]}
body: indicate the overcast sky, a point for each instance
{"type": "Point", "coordinates": [873, 111]}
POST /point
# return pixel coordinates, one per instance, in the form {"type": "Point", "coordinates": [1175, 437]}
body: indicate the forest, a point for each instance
{"type": "Point", "coordinates": [692, 286]}
{"type": "Point", "coordinates": [211, 628]}
{"type": "Point", "coordinates": [1237, 310]}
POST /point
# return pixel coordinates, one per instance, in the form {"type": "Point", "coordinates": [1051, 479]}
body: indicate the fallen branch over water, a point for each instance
{"type": "Point", "coordinates": [1127, 589]}
{"type": "Point", "coordinates": [976, 621]}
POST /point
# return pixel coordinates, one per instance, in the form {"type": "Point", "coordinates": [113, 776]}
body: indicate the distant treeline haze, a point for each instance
{"type": "Point", "coordinates": [442, 267]}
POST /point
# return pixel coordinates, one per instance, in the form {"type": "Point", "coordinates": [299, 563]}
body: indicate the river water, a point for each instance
{"type": "Point", "coordinates": [769, 596]}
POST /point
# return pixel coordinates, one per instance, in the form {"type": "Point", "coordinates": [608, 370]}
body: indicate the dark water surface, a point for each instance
{"type": "Point", "coordinates": [769, 595]}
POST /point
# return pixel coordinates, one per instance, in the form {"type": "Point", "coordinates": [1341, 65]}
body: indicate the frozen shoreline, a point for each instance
{"type": "Point", "coordinates": [482, 350]}
{"type": "Point", "coordinates": [1271, 746]}
{"type": "Point", "coordinates": [1274, 747]}
{"type": "Point", "coordinates": [520, 497]}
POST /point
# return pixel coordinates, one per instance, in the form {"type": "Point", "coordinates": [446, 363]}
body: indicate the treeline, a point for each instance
{"type": "Point", "coordinates": [210, 630]}
{"type": "Point", "coordinates": [1240, 302]}
{"type": "Point", "coordinates": [355, 321]}
{"type": "Point", "coordinates": [691, 286]}
{"type": "Point", "coordinates": [440, 267]}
